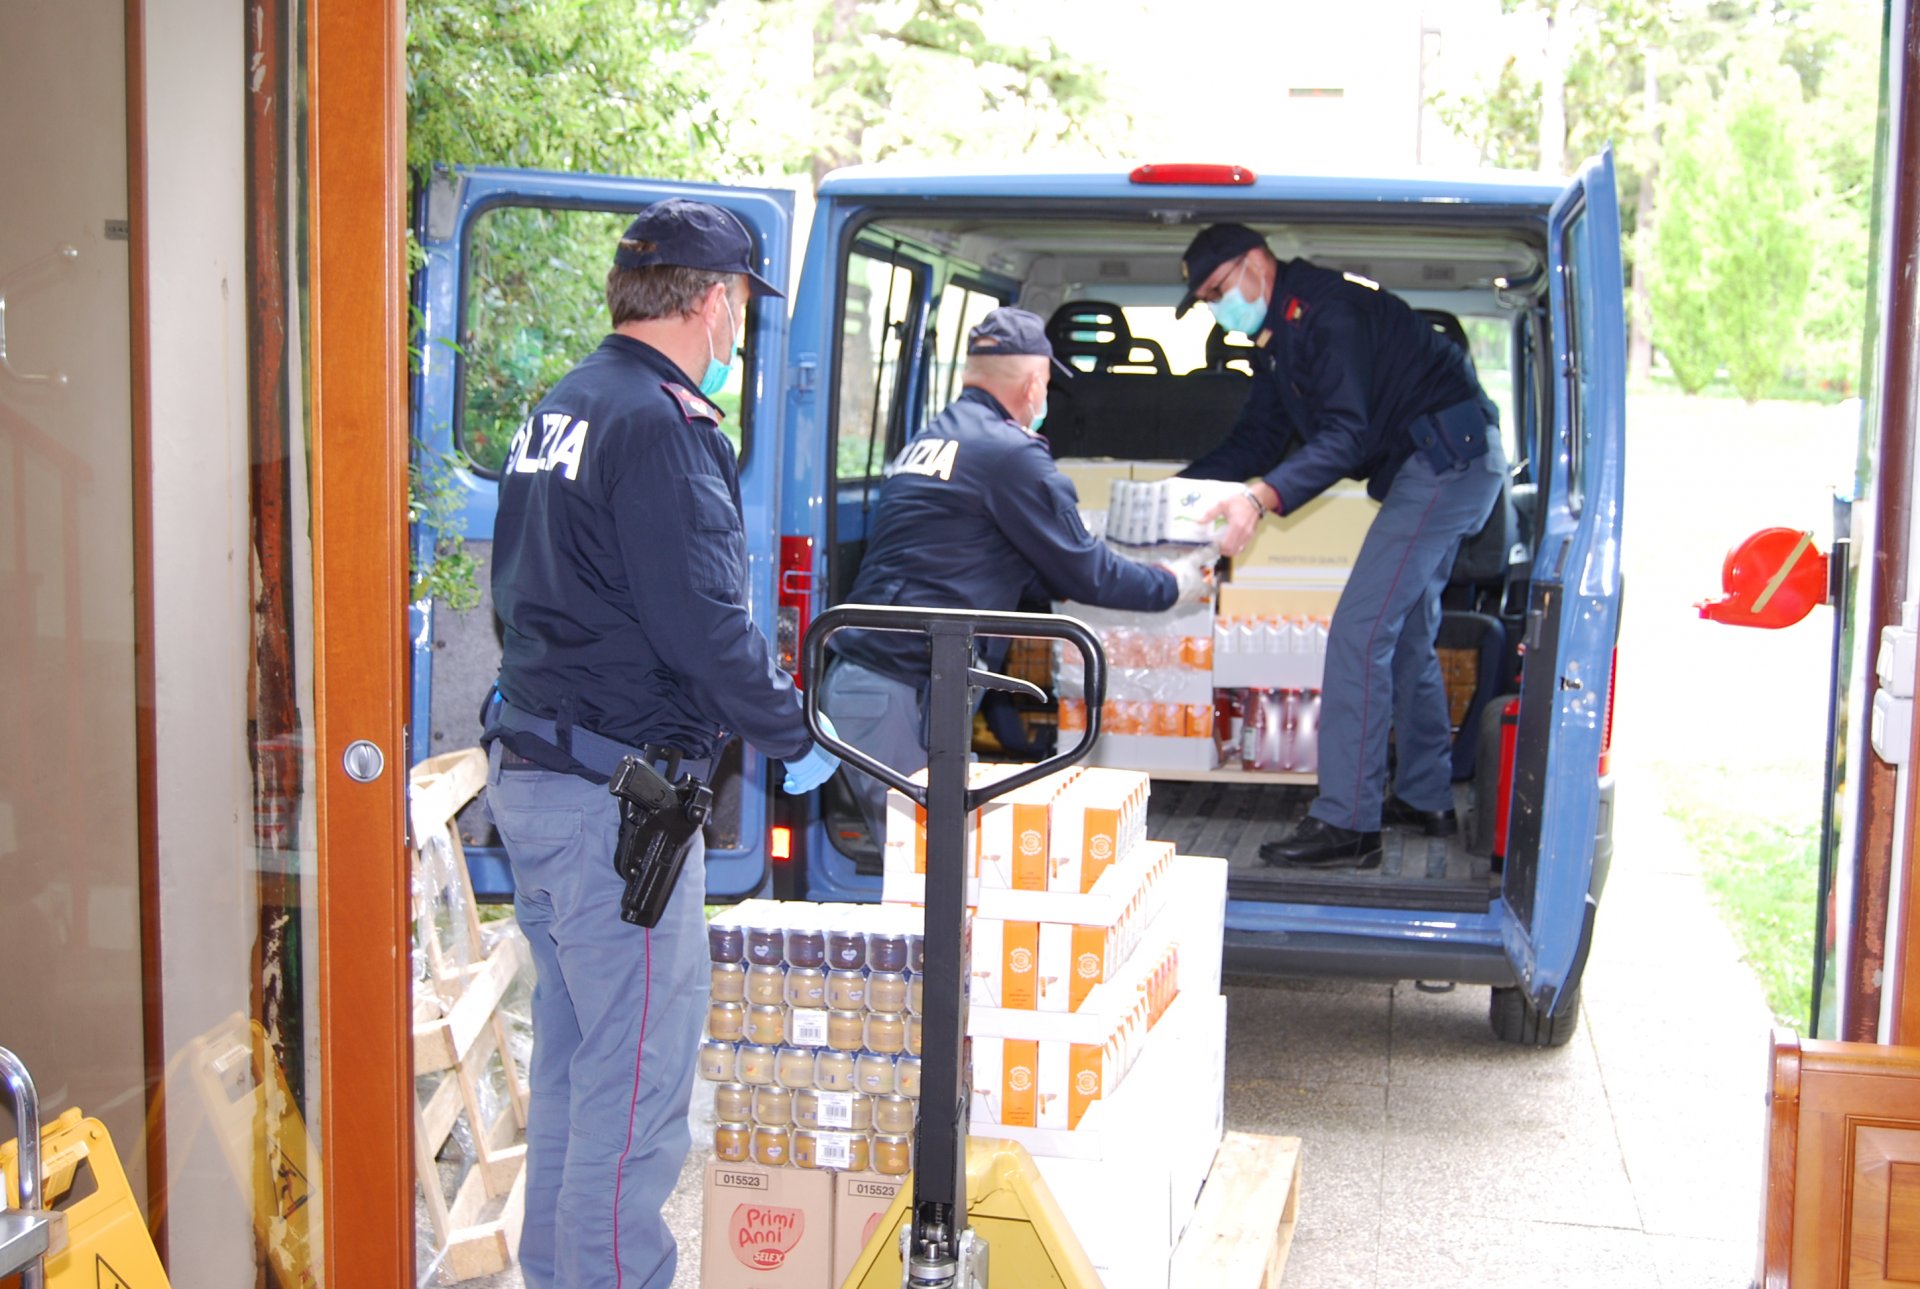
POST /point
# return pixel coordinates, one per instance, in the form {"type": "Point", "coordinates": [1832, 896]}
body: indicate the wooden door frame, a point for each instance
{"type": "Point", "coordinates": [357, 361]}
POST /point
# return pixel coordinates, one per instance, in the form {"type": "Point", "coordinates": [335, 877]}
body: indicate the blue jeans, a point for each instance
{"type": "Point", "coordinates": [617, 1014]}
{"type": "Point", "coordinates": [1382, 668]}
{"type": "Point", "coordinates": [880, 716]}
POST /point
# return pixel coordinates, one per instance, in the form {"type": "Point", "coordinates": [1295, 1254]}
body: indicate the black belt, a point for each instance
{"type": "Point", "coordinates": [594, 752]}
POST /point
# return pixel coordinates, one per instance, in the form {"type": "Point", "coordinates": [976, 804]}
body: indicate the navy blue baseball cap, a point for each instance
{"type": "Point", "coordinates": [691, 235]}
{"type": "Point", "coordinates": [1213, 246]}
{"type": "Point", "coordinates": [1013, 331]}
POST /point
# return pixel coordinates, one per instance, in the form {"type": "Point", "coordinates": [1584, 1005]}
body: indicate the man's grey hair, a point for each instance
{"type": "Point", "coordinates": [658, 291]}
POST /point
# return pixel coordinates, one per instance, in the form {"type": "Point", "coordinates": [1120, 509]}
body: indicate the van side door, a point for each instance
{"type": "Point", "coordinates": [1547, 902]}
{"type": "Point", "coordinates": [511, 295]}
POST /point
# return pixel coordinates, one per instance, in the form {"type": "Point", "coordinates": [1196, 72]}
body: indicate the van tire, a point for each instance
{"type": "Point", "coordinates": [1515, 1020]}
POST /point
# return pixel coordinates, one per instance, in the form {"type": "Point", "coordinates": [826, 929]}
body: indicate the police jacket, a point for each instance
{"type": "Point", "coordinates": [973, 513]}
{"type": "Point", "coordinates": [619, 567]}
{"type": "Point", "coordinates": [1357, 376]}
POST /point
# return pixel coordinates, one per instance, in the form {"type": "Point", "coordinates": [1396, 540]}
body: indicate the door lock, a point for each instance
{"type": "Point", "coordinates": [362, 761]}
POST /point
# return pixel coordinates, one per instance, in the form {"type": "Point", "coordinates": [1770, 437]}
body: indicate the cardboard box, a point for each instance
{"type": "Point", "coordinates": [1151, 753]}
{"type": "Point", "coordinates": [1276, 600]}
{"type": "Point", "coordinates": [1317, 542]}
{"type": "Point", "coordinates": [860, 1200]}
{"type": "Point", "coordinates": [904, 856]}
{"type": "Point", "coordinates": [1015, 831]}
{"type": "Point", "coordinates": [1129, 1191]}
{"type": "Point", "coordinates": [1100, 818]}
{"type": "Point", "coordinates": [766, 1228]}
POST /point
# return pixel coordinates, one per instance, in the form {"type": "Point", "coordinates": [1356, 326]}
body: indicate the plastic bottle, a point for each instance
{"type": "Point", "coordinates": [1306, 732]}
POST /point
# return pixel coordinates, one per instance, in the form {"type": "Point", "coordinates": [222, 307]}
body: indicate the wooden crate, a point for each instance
{"type": "Point", "coordinates": [458, 1031]}
{"type": "Point", "coordinates": [1243, 1227]}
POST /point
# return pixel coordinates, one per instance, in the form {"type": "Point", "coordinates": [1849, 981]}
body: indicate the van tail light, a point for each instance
{"type": "Point", "coordinates": [793, 601]}
{"type": "Point", "coordinates": [780, 843]}
{"type": "Point", "coordinates": [1191, 173]}
{"type": "Point", "coordinates": [1503, 786]}
{"type": "Point", "coordinates": [1606, 730]}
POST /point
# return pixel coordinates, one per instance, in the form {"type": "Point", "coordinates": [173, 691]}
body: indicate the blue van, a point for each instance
{"type": "Point", "coordinates": [899, 263]}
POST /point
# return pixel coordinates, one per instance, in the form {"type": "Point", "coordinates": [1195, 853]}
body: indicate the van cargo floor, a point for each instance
{"type": "Point", "coordinates": [1232, 820]}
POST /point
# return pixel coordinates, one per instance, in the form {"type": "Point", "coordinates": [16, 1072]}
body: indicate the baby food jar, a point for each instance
{"type": "Point", "coordinates": [766, 1025]}
{"type": "Point", "coordinates": [806, 948]}
{"type": "Point", "coordinates": [727, 982]}
{"type": "Point", "coordinates": [733, 1103]}
{"type": "Point", "coordinates": [846, 950]}
{"type": "Point", "coordinates": [772, 1145]}
{"type": "Point", "coordinates": [726, 1021]}
{"type": "Point", "coordinates": [806, 987]}
{"type": "Point", "coordinates": [845, 1031]}
{"type": "Point", "coordinates": [892, 1153]}
{"type": "Point", "coordinates": [766, 986]}
{"type": "Point", "coordinates": [730, 1141]}
{"type": "Point", "coordinates": [873, 1073]}
{"type": "Point", "coordinates": [846, 990]}
{"type": "Point", "coordinates": [726, 943]}
{"type": "Point", "coordinates": [893, 1114]}
{"type": "Point", "coordinates": [773, 1106]}
{"type": "Point", "coordinates": [717, 1061]}
{"type": "Point", "coordinates": [766, 945]}
{"type": "Point", "coordinates": [756, 1065]}
{"type": "Point", "coordinates": [833, 1071]}
{"type": "Point", "coordinates": [885, 1032]}
{"type": "Point", "coordinates": [887, 951]}
{"type": "Point", "coordinates": [886, 991]}
{"type": "Point", "coordinates": [906, 1075]}
{"type": "Point", "coordinates": [793, 1067]}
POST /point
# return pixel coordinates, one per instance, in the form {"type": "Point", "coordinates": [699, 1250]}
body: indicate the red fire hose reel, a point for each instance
{"type": "Point", "coordinates": [1772, 579]}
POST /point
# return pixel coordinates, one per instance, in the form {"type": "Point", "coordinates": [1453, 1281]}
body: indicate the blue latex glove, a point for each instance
{"type": "Point", "coordinates": [815, 768]}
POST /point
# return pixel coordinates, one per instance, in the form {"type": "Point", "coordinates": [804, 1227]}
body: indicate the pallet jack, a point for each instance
{"type": "Point", "coordinates": [942, 1238]}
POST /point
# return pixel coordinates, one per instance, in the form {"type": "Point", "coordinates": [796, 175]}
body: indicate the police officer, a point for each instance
{"type": "Point", "coordinates": [619, 569]}
{"type": "Point", "coordinates": [974, 513]}
{"type": "Point", "coordinates": [1371, 392]}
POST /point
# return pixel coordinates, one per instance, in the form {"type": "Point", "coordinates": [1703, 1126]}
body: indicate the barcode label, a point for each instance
{"type": "Point", "coordinates": [836, 1109]}
{"type": "Point", "coordinates": [834, 1150]}
{"type": "Point", "coordinates": [808, 1027]}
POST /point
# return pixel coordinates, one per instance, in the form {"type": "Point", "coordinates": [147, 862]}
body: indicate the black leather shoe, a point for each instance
{"type": "Point", "coordinates": [1314, 843]}
{"type": "Point", "coordinates": [1434, 823]}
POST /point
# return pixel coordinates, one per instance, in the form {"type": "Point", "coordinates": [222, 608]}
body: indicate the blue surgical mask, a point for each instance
{"type": "Point", "coordinates": [1234, 312]}
{"type": "Point", "coordinates": [719, 373]}
{"type": "Point", "coordinates": [1034, 428]}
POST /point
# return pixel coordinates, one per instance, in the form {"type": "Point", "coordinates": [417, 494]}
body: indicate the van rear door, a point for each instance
{"type": "Point", "coordinates": [1547, 904]}
{"type": "Point", "coordinates": [512, 293]}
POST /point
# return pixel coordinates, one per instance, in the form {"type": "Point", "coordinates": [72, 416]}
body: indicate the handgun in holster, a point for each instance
{"type": "Point", "coordinates": [658, 821]}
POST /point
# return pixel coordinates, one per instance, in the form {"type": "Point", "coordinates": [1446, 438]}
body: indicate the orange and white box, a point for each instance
{"type": "Point", "coordinates": [1103, 816]}
{"type": "Point", "coordinates": [904, 856]}
{"type": "Point", "coordinates": [1029, 1083]}
{"type": "Point", "coordinates": [1016, 831]}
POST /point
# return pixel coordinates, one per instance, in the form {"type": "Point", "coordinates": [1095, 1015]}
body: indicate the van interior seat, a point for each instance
{"type": "Point", "coordinates": [1123, 400]}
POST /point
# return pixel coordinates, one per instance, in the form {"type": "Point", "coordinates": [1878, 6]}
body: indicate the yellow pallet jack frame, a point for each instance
{"type": "Point", "coordinates": [968, 1198]}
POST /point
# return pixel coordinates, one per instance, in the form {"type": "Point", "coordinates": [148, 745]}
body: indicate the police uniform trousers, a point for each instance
{"type": "Point", "coordinates": [1382, 668]}
{"type": "Point", "coordinates": [880, 716]}
{"type": "Point", "coordinates": [617, 1013]}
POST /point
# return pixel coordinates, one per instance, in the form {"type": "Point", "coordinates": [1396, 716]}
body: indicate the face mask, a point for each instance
{"type": "Point", "coordinates": [1234, 312]}
{"type": "Point", "coordinates": [719, 373]}
{"type": "Point", "coordinates": [1033, 426]}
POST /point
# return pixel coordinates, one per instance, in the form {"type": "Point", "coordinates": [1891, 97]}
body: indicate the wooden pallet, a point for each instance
{"type": "Point", "coordinates": [1243, 1227]}
{"type": "Point", "coordinates": [458, 1031]}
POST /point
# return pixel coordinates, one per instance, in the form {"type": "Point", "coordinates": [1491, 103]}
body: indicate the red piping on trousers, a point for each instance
{"type": "Point", "coordinates": [639, 1050]}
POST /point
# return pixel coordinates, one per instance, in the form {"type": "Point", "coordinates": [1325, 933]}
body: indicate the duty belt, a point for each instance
{"type": "Point", "coordinates": [595, 752]}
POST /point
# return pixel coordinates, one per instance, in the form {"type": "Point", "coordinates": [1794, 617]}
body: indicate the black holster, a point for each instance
{"type": "Point", "coordinates": [658, 821]}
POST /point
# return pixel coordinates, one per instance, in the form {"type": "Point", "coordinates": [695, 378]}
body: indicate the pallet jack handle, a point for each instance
{"type": "Point", "coordinates": [28, 1233]}
{"type": "Point", "coordinates": [939, 1251]}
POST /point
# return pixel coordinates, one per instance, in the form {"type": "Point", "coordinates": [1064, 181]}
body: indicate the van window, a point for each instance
{"type": "Point", "coordinates": [1580, 329]}
{"type": "Point", "coordinates": [880, 298]}
{"type": "Point", "coordinates": [534, 303]}
{"type": "Point", "coordinates": [1490, 342]}
{"type": "Point", "coordinates": [962, 306]}
{"type": "Point", "coordinates": [1184, 340]}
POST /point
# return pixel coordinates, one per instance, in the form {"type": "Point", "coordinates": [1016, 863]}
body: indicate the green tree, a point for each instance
{"type": "Point", "coordinates": [1685, 243]}
{"type": "Point", "coordinates": [1760, 277]}
{"type": "Point", "coordinates": [603, 86]}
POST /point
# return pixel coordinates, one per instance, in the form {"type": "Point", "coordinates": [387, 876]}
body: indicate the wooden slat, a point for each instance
{"type": "Point", "coordinates": [1243, 1227]}
{"type": "Point", "coordinates": [437, 1118]}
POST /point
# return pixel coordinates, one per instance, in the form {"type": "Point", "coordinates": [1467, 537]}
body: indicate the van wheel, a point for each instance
{"type": "Point", "coordinates": [1515, 1020]}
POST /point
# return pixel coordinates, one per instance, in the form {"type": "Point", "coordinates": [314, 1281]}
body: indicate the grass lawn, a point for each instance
{"type": "Point", "coordinates": [1763, 873]}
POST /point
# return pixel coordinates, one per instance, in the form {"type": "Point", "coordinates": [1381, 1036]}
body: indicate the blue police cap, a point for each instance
{"type": "Point", "coordinates": [1213, 246]}
{"type": "Point", "coordinates": [1013, 331]}
{"type": "Point", "coordinates": [691, 235]}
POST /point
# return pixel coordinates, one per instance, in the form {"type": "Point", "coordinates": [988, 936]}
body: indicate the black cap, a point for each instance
{"type": "Point", "coordinates": [691, 235]}
{"type": "Point", "coordinates": [1013, 331]}
{"type": "Point", "coordinates": [1212, 247]}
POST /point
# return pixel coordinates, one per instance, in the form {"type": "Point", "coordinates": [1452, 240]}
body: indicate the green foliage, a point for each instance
{"type": "Point", "coordinates": [1759, 278]}
{"type": "Point", "coordinates": [435, 496]}
{"type": "Point", "coordinates": [1503, 122]}
{"type": "Point", "coordinates": [604, 86]}
{"type": "Point", "coordinates": [1684, 243]}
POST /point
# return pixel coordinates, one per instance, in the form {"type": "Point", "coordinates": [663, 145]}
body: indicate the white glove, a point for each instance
{"type": "Point", "coordinates": [1193, 573]}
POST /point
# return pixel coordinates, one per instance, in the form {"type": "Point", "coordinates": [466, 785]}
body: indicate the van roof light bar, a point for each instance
{"type": "Point", "coordinates": [1194, 173]}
